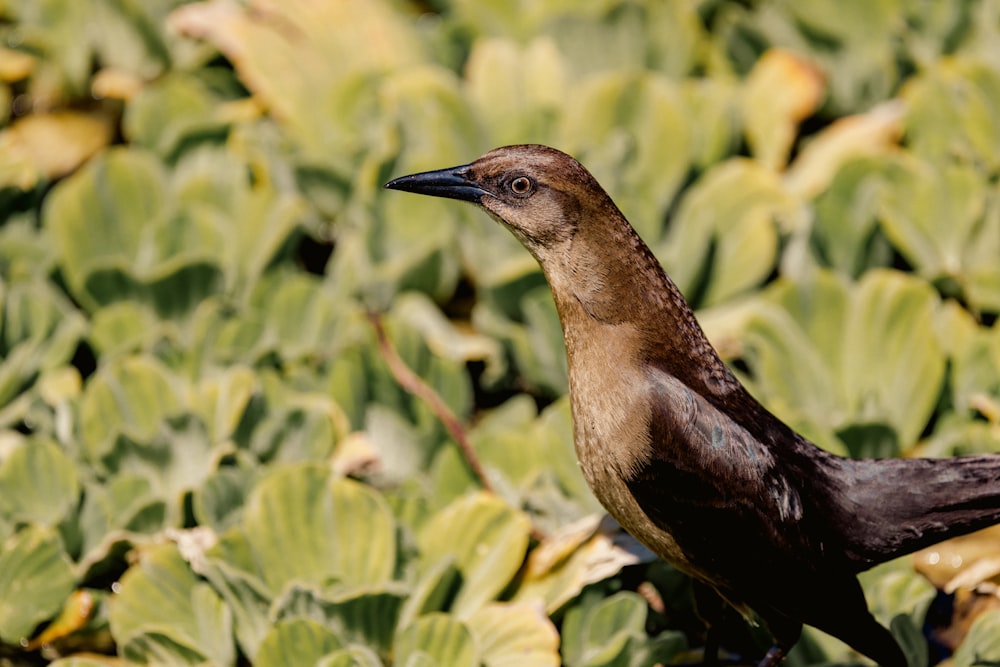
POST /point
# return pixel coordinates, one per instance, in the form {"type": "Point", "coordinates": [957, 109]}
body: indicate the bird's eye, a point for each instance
{"type": "Point", "coordinates": [521, 185]}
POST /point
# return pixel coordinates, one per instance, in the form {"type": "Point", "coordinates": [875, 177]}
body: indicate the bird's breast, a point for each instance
{"type": "Point", "coordinates": [611, 419]}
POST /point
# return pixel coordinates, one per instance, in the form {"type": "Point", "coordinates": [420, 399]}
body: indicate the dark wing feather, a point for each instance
{"type": "Point", "coordinates": [720, 491]}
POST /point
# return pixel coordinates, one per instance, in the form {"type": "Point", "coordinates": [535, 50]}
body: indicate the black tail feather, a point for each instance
{"type": "Point", "coordinates": [908, 504]}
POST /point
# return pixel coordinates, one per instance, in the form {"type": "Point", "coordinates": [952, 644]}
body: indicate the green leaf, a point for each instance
{"type": "Point", "coordinates": [982, 644]}
{"type": "Point", "coordinates": [359, 616]}
{"type": "Point", "coordinates": [256, 218]}
{"type": "Point", "coordinates": [352, 656]}
{"type": "Point", "coordinates": [846, 227]}
{"type": "Point", "coordinates": [131, 397]}
{"type": "Point", "coordinates": [872, 347]}
{"type": "Point", "coordinates": [535, 342]}
{"type": "Point", "coordinates": [952, 109]}
{"type": "Point", "coordinates": [488, 540]}
{"type": "Point", "coordinates": [176, 460]}
{"type": "Point", "coordinates": [218, 503]}
{"type": "Point", "coordinates": [221, 399]}
{"type": "Point", "coordinates": [597, 634]}
{"type": "Point", "coordinates": [98, 216]}
{"type": "Point", "coordinates": [36, 577]}
{"type": "Point", "coordinates": [611, 631]}
{"type": "Point", "coordinates": [124, 328]}
{"type": "Point", "coordinates": [38, 483]}
{"type": "Point", "coordinates": [245, 594]}
{"type": "Point", "coordinates": [321, 111]}
{"type": "Point", "coordinates": [947, 224]}
{"type": "Point", "coordinates": [112, 511]}
{"type": "Point", "coordinates": [441, 638]}
{"type": "Point", "coordinates": [299, 641]}
{"type": "Point", "coordinates": [897, 380]}
{"type": "Point", "coordinates": [168, 111]}
{"type": "Point", "coordinates": [801, 320]}
{"type": "Point", "coordinates": [434, 590]}
{"type": "Point", "coordinates": [338, 529]}
{"type": "Point", "coordinates": [724, 238]}
{"type": "Point", "coordinates": [163, 611]}
{"type": "Point", "coordinates": [847, 43]}
{"type": "Point", "coordinates": [781, 91]}
{"type": "Point", "coordinates": [631, 130]}
{"type": "Point", "coordinates": [301, 312]}
{"type": "Point", "coordinates": [39, 331]}
{"type": "Point", "coordinates": [895, 589]}
{"type": "Point", "coordinates": [517, 92]}
{"type": "Point", "coordinates": [120, 237]}
{"type": "Point", "coordinates": [510, 635]}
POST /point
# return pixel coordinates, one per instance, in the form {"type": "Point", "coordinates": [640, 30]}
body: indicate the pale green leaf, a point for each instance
{"type": "Point", "coordinates": [724, 239]}
{"type": "Point", "coordinates": [510, 635]}
{"type": "Point", "coordinates": [295, 642]}
{"type": "Point", "coordinates": [338, 529]}
{"type": "Point", "coordinates": [100, 215]}
{"type": "Point", "coordinates": [36, 577]}
{"type": "Point", "coordinates": [38, 483]}
{"type": "Point", "coordinates": [442, 638]}
{"type": "Point", "coordinates": [166, 610]}
{"type": "Point", "coordinates": [631, 130]}
{"type": "Point", "coordinates": [130, 396]}
{"type": "Point", "coordinates": [488, 540]}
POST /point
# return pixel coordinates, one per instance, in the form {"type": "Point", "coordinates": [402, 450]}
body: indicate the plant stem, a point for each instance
{"type": "Point", "coordinates": [412, 383]}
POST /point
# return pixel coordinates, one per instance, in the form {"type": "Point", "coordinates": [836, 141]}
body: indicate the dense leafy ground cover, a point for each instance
{"type": "Point", "coordinates": [205, 457]}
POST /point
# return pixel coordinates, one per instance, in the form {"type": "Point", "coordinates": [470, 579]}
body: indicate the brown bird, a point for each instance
{"type": "Point", "coordinates": [679, 452]}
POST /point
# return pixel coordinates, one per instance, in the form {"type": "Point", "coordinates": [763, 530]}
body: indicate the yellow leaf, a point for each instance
{"type": "Point", "coordinates": [782, 90]}
{"type": "Point", "coordinates": [50, 145]}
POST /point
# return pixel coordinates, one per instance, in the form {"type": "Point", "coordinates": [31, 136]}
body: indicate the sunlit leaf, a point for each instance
{"type": "Point", "coordinates": [163, 610]}
{"type": "Point", "coordinates": [869, 134]}
{"type": "Point", "coordinates": [38, 483]}
{"type": "Point", "coordinates": [516, 91]}
{"type": "Point", "coordinates": [338, 529]}
{"type": "Point", "coordinates": [47, 146]}
{"type": "Point", "coordinates": [442, 638]}
{"type": "Point", "coordinates": [285, 62]}
{"type": "Point", "coordinates": [724, 238]}
{"type": "Point", "coordinates": [871, 347]}
{"type": "Point", "coordinates": [579, 554]}
{"type": "Point", "coordinates": [631, 131]}
{"type": "Point", "coordinates": [781, 91]}
{"type": "Point", "coordinates": [298, 641]}
{"type": "Point", "coordinates": [512, 635]}
{"type": "Point", "coordinates": [488, 540]}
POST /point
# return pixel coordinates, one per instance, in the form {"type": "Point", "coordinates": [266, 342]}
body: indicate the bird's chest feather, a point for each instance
{"type": "Point", "coordinates": [611, 419]}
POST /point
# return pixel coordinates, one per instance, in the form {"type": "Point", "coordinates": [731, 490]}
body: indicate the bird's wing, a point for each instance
{"type": "Point", "coordinates": [721, 492]}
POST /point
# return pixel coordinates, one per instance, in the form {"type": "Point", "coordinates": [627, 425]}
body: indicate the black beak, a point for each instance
{"type": "Point", "coordinates": [453, 183]}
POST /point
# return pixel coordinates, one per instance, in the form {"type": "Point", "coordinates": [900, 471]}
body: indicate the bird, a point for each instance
{"type": "Point", "coordinates": [678, 451]}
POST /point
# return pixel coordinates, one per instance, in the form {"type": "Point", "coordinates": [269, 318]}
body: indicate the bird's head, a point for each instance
{"type": "Point", "coordinates": [540, 194]}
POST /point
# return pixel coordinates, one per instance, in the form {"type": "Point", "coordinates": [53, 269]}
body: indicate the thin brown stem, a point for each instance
{"type": "Point", "coordinates": [412, 383]}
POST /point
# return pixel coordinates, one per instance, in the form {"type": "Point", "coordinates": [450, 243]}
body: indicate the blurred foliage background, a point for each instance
{"type": "Point", "coordinates": [204, 455]}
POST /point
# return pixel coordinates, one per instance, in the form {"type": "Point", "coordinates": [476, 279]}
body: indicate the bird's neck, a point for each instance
{"type": "Point", "coordinates": [606, 281]}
